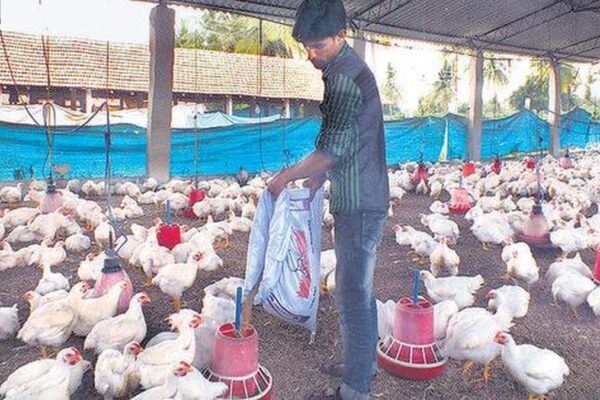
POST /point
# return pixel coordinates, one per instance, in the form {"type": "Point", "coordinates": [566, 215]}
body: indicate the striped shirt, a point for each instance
{"type": "Point", "coordinates": [352, 133]}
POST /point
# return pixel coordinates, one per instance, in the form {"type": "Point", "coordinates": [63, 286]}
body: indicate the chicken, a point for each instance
{"type": "Point", "coordinates": [570, 239]}
{"type": "Point", "coordinates": [457, 288]}
{"type": "Point", "coordinates": [422, 244]}
{"type": "Point", "coordinates": [9, 322]}
{"type": "Point", "coordinates": [102, 234]}
{"type": "Point", "coordinates": [91, 268]}
{"type": "Point", "coordinates": [471, 332]}
{"type": "Point", "coordinates": [9, 258]}
{"type": "Point", "coordinates": [567, 266]}
{"type": "Point", "coordinates": [444, 257]}
{"type": "Point", "coordinates": [116, 332]}
{"type": "Point", "coordinates": [35, 299]}
{"type": "Point", "coordinates": [154, 359]}
{"type": "Point", "coordinates": [152, 258]}
{"type": "Point", "coordinates": [523, 266]}
{"type": "Point", "coordinates": [51, 281]}
{"type": "Point", "coordinates": [516, 297]}
{"type": "Point", "coordinates": [239, 224]}
{"type": "Point", "coordinates": [167, 390]}
{"type": "Point", "coordinates": [194, 386]}
{"type": "Point", "coordinates": [328, 264]}
{"type": "Point", "coordinates": [386, 313]}
{"type": "Point", "coordinates": [439, 208]}
{"type": "Point", "coordinates": [183, 251]}
{"type": "Point", "coordinates": [45, 254]}
{"type": "Point", "coordinates": [78, 243]}
{"type": "Point", "coordinates": [90, 311]}
{"type": "Point", "coordinates": [52, 323]}
{"type": "Point", "coordinates": [593, 300]}
{"type": "Point", "coordinates": [46, 379]}
{"type": "Point", "coordinates": [402, 235]}
{"type": "Point", "coordinates": [35, 369]}
{"type": "Point", "coordinates": [572, 289]}
{"type": "Point", "coordinates": [116, 374]}
{"type": "Point", "coordinates": [441, 226]}
{"type": "Point", "coordinates": [21, 234]}
{"type": "Point", "coordinates": [492, 228]}
{"type": "Point", "coordinates": [174, 279]}
{"type": "Point", "coordinates": [11, 194]}
{"type": "Point", "coordinates": [249, 209]}
{"type": "Point", "coordinates": [538, 370]}
{"type": "Point", "coordinates": [19, 216]}
{"type": "Point", "coordinates": [442, 312]}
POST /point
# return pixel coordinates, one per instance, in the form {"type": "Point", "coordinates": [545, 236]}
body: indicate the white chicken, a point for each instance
{"type": "Point", "coordinates": [328, 264]}
{"type": "Point", "coordinates": [9, 322]}
{"type": "Point", "coordinates": [52, 323]}
{"type": "Point", "coordinates": [492, 228]}
{"type": "Point", "coordinates": [154, 359]}
{"type": "Point", "coordinates": [45, 254]}
{"type": "Point", "coordinates": [522, 266]}
{"type": "Point", "coordinates": [38, 368]}
{"type": "Point", "coordinates": [116, 332]}
{"type": "Point", "coordinates": [9, 258]}
{"type": "Point", "coordinates": [442, 312]}
{"type": "Point", "coordinates": [194, 386]}
{"type": "Point", "coordinates": [385, 317]}
{"type": "Point", "coordinates": [572, 289]}
{"type": "Point", "coordinates": [444, 258]}
{"type": "Point", "coordinates": [441, 227]}
{"type": "Point", "coordinates": [593, 301]}
{"type": "Point", "coordinates": [19, 216]}
{"type": "Point", "coordinates": [249, 209]}
{"type": "Point", "coordinates": [51, 281]}
{"type": "Point", "coordinates": [21, 234]}
{"type": "Point", "coordinates": [402, 235]}
{"type": "Point", "coordinates": [457, 288]}
{"type": "Point", "coordinates": [439, 207]}
{"type": "Point", "coordinates": [102, 234]}
{"type": "Point", "coordinates": [567, 266]}
{"type": "Point", "coordinates": [53, 384]}
{"type": "Point", "coordinates": [116, 373]}
{"type": "Point", "coordinates": [471, 332]}
{"type": "Point", "coordinates": [152, 258]}
{"type": "Point", "coordinates": [538, 370]}
{"type": "Point", "coordinates": [570, 239]}
{"type": "Point", "coordinates": [167, 390]}
{"type": "Point", "coordinates": [92, 310]}
{"type": "Point", "coordinates": [174, 279]}
{"type": "Point", "coordinates": [515, 297]}
{"type": "Point", "coordinates": [78, 243]}
{"type": "Point", "coordinates": [11, 194]}
{"type": "Point", "coordinates": [35, 299]}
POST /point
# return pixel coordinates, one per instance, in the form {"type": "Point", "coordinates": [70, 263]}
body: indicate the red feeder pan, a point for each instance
{"type": "Point", "coordinates": [194, 197]}
{"type": "Point", "coordinates": [168, 236]}
{"type": "Point", "coordinates": [597, 266]}
{"type": "Point", "coordinates": [235, 362]}
{"type": "Point", "coordinates": [468, 169]}
{"type": "Point", "coordinates": [497, 166]}
{"type": "Point", "coordinates": [411, 351]}
{"type": "Point", "coordinates": [536, 232]}
{"type": "Point", "coordinates": [420, 175]}
{"type": "Point", "coordinates": [460, 202]}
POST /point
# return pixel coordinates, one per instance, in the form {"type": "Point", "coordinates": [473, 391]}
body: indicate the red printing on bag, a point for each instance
{"type": "Point", "coordinates": [303, 265]}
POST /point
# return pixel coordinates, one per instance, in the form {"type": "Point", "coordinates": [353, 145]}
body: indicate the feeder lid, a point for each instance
{"type": "Point", "coordinates": [50, 187]}
{"type": "Point", "coordinates": [111, 262]}
{"type": "Point", "coordinates": [537, 209]}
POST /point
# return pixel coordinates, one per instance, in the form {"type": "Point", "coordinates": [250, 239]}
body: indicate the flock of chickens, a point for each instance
{"type": "Point", "coordinates": [168, 366]}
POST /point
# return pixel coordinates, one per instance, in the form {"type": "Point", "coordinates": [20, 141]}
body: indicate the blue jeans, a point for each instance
{"type": "Point", "coordinates": [356, 238]}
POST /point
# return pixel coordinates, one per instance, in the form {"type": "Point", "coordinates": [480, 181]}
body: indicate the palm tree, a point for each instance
{"type": "Point", "coordinates": [495, 74]}
{"type": "Point", "coordinates": [437, 101]}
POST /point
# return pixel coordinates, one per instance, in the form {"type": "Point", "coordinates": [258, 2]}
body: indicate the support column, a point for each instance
{"type": "Point", "coordinates": [160, 96]}
{"type": "Point", "coordinates": [475, 106]}
{"type": "Point", "coordinates": [229, 105]}
{"type": "Point", "coordinates": [287, 111]}
{"type": "Point", "coordinates": [89, 100]}
{"type": "Point", "coordinates": [360, 47]}
{"type": "Point", "coordinates": [554, 107]}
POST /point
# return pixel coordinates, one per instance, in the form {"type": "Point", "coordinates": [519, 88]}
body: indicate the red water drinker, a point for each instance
{"type": "Point", "coordinates": [235, 362]}
{"type": "Point", "coordinates": [195, 196]}
{"type": "Point", "coordinates": [411, 351]}
{"type": "Point", "coordinates": [497, 166]}
{"type": "Point", "coordinates": [460, 202]}
{"type": "Point", "coordinates": [168, 235]}
{"type": "Point", "coordinates": [530, 163]}
{"type": "Point", "coordinates": [468, 169]}
{"type": "Point", "coordinates": [566, 162]}
{"type": "Point", "coordinates": [112, 274]}
{"type": "Point", "coordinates": [52, 200]}
{"type": "Point", "coordinates": [597, 266]}
{"type": "Point", "coordinates": [536, 231]}
{"type": "Point", "coordinates": [420, 175]}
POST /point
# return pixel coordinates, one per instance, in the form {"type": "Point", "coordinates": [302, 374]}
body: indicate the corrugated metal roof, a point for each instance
{"type": "Point", "coordinates": [565, 29]}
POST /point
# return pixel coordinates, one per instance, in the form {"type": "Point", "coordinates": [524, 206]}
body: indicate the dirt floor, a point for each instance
{"type": "Point", "coordinates": [294, 363]}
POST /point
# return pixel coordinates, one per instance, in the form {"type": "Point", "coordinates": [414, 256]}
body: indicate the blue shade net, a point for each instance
{"type": "Point", "coordinates": [273, 145]}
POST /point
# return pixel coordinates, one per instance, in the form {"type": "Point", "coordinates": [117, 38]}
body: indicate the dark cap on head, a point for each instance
{"type": "Point", "coordinates": [319, 19]}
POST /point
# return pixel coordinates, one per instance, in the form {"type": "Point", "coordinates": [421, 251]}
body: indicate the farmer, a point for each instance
{"type": "Point", "coordinates": [350, 151]}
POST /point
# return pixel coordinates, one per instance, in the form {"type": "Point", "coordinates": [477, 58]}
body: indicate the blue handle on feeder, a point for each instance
{"type": "Point", "coordinates": [168, 212]}
{"type": "Point", "coordinates": [238, 309]}
{"type": "Point", "coordinates": [417, 282]}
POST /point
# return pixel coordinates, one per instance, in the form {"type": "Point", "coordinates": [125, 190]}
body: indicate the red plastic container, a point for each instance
{"type": "Point", "coordinates": [194, 197]}
{"type": "Point", "coordinates": [51, 202]}
{"type": "Point", "coordinates": [235, 362]}
{"type": "Point", "coordinates": [420, 175]}
{"type": "Point", "coordinates": [468, 169]}
{"type": "Point", "coordinates": [536, 231]}
{"type": "Point", "coordinates": [566, 162]}
{"type": "Point", "coordinates": [460, 202]}
{"type": "Point", "coordinates": [168, 236]}
{"type": "Point", "coordinates": [108, 280]}
{"type": "Point", "coordinates": [411, 351]}
{"type": "Point", "coordinates": [597, 266]}
{"type": "Point", "coordinates": [497, 166]}
{"type": "Point", "coordinates": [530, 164]}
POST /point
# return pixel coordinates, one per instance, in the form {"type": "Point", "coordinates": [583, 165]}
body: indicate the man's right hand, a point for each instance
{"type": "Point", "coordinates": [314, 183]}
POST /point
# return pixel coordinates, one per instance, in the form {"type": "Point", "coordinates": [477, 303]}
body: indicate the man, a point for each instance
{"type": "Point", "coordinates": [350, 151]}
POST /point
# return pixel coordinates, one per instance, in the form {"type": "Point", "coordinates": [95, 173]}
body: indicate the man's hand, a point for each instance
{"type": "Point", "coordinates": [278, 182]}
{"type": "Point", "coordinates": [314, 183]}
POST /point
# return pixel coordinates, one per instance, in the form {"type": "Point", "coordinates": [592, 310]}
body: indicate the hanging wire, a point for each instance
{"type": "Point", "coordinates": [196, 138]}
{"type": "Point", "coordinates": [285, 160]}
